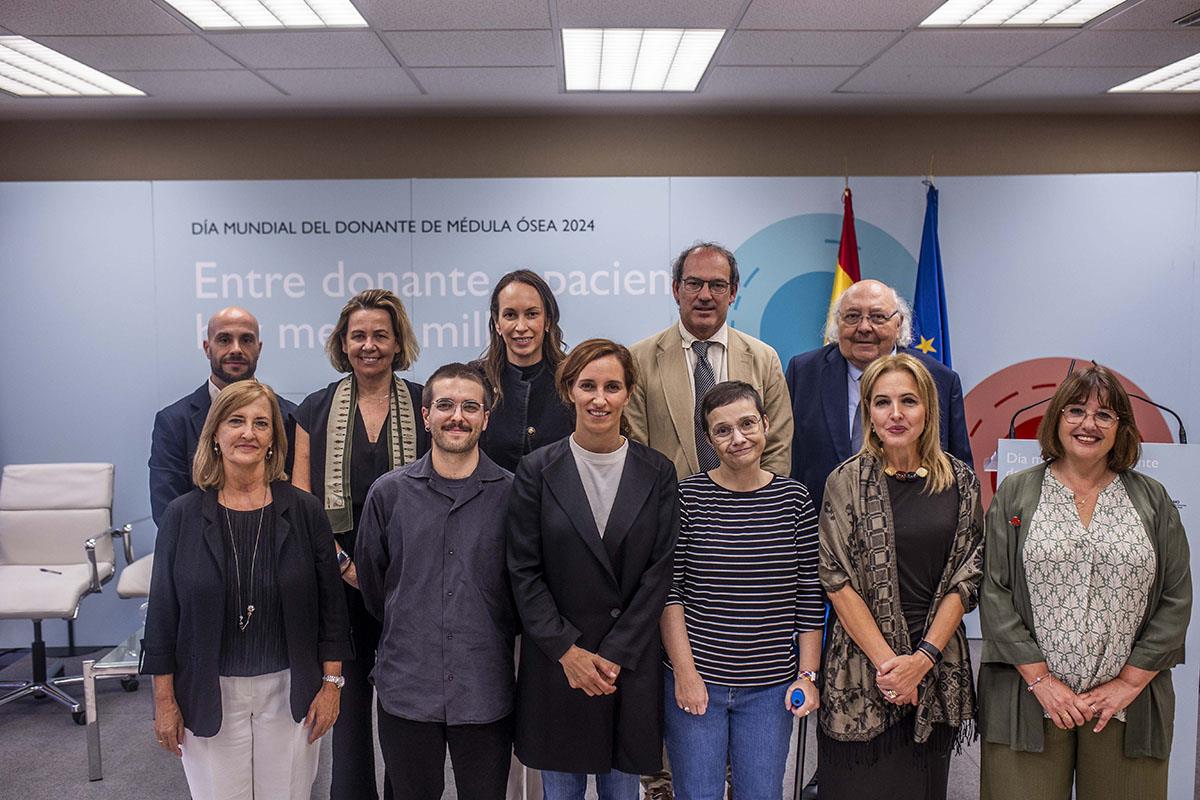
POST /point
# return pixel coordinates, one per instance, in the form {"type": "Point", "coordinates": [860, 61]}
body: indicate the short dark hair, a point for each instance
{"type": "Point", "coordinates": [451, 371]}
{"type": "Point", "coordinates": [727, 392]}
{"type": "Point", "coordinates": [585, 353]}
{"type": "Point", "coordinates": [1076, 389]}
{"type": "Point", "coordinates": [677, 266]}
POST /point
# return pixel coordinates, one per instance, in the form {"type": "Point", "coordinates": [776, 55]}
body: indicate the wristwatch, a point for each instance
{"type": "Point", "coordinates": [337, 680]}
{"type": "Point", "coordinates": [343, 559]}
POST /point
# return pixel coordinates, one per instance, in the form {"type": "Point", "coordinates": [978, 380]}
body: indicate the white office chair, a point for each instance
{"type": "Point", "coordinates": [55, 548]}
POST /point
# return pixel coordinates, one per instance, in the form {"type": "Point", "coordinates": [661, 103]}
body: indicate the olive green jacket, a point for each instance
{"type": "Point", "coordinates": [1008, 714]}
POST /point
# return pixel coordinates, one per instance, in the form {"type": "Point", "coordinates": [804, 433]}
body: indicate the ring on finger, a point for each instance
{"type": "Point", "coordinates": [891, 693]}
{"type": "Point", "coordinates": [687, 709]}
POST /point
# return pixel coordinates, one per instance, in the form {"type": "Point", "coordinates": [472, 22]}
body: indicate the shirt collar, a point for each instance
{"type": "Point", "coordinates": [721, 337]}
{"type": "Point", "coordinates": [855, 373]}
{"type": "Point", "coordinates": [213, 389]}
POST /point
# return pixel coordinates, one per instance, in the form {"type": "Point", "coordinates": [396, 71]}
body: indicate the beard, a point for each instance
{"type": "Point", "coordinates": [443, 442]}
{"type": "Point", "coordinates": [219, 371]}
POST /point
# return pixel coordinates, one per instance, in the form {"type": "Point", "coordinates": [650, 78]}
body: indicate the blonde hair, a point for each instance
{"type": "Point", "coordinates": [208, 468]}
{"type": "Point", "coordinates": [402, 329]}
{"type": "Point", "coordinates": [929, 443]}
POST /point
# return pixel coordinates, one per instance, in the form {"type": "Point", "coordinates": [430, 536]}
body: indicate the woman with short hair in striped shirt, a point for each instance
{"type": "Point", "coordinates": [744, 594]}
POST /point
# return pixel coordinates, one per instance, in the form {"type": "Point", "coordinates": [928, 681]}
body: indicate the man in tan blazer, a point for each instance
{"type": "Point", "coordinates": [662, 410]}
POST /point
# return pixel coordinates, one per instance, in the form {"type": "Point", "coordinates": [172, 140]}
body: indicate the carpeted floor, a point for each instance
{"type": "Point", "coordinates": [43, 753]}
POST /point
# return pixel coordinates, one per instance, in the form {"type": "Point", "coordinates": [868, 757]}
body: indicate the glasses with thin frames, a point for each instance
{"type": "Point", "coordinates": [1104, 417]}
{"type": "Point", "coordinates": [746, 426]}
{"type": "Point", "coordinates": [717, 287]}
{"type": "Point", "coordinates": [852, 319]}
{"type": "Point", "coordinates": [445, 405]}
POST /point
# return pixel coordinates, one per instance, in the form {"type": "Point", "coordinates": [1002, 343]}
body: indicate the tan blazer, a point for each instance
{"type": "Point", "coordinates": [661, 411]}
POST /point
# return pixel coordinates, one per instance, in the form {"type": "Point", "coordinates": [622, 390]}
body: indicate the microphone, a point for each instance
{"type": "Point", "coordinates": [1012, 421]}
{"type": "Point", "coordinates": [1182, 432]}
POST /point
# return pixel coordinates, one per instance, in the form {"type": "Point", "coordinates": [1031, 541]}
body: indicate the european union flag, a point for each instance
{"type": "Point", "coordinates": [931, 327]}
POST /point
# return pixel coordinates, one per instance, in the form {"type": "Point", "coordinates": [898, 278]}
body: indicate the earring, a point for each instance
{"type": "Point", "coordinates": [216, 448]}
{"type": "Point", "coordinates": [270, 452]}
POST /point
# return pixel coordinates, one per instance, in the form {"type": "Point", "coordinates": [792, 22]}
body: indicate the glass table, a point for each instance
{"type": "Point", "coordinates": [120, 662]}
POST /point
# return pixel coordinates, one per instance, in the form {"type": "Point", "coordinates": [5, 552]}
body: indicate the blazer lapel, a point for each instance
{"type": "Point", "coordinates": [836, 402]}
{"type": "Point", "coordinates": [562, 478]}
{"type": "Point", "coordinates": [201, 402]}
{"type": "Point", "coordinates": [676, 386]}
{"type": "Point", "coordinates": [281, 504]}
{"type": "Point", "coordinates": [637, 481]}
{"type": "Point", "coordinates": [212, 530]}
{"type": "Point", "coordinates": [739, 359]}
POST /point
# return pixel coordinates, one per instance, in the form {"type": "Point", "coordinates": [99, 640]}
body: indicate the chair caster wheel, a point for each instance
{"type": "Point", "coordinates": [80, 717]}
{"type": "Point", "coordinates": [129, 684]}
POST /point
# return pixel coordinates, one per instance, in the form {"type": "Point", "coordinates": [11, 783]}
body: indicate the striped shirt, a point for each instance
{"type": "Point", "coordinates": [746, 576]}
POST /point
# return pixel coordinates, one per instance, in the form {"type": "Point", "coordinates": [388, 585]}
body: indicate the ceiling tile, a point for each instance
{"type": "Point", "coordinates": [971, 48]}
{"type": "Point", "coordinates": [524, 82]}
{"type": "Point", "coordinates": [779, 82]}
{"type": "Point", "coordinates": [804, 47]}
{"type": "Point", "coordinates": [334, 84]}
{"type": "Point", "coordinates": [1122, 49]}
{"type": "Point", "coordinates": [203, 85]}
{"type": "Point", "coordinates": [422, 15]}
{"type": "Point", "coordinates": [305, 49]}
{"type": "Point", "coordinates": [474, 48]}
{"type": "Point", "coordinates": [141, 52]}
{"type": "Point", "coordinates": [1058, 81]}
{"type": "Point", "coordinates": [87, 17]}
{"type": "Point", "coordinates": [642, 14]}
{"type": "Point", "coordinates": [809, 15]}
{"type": "Point", "coordinates": [919, 80]}
{"type": "Point", "coordinates": [1147, 15]}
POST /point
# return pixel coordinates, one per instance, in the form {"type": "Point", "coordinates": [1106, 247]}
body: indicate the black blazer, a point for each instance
{"type": "Point", "coordinates": [816, 381]}
{"type": "Point", "coordinates": [173, 444]}
{"type": "Point", "coordinates": [511, 431]}
{"type": "Point", "coordinates": [187, 601]}
{"type": "Point", "coordinates": [605, 595]}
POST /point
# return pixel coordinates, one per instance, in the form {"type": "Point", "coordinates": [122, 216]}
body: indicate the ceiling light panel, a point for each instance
{"type": "Point", "coordinates": [637, 59]}
{"type": "Point", "coordinates": [265, 14]}
{"type": "Point", "coordinates": [28, 69]}
{"type": "Point", "coordinates": [999, 13]}
{"type": "Point", "coordinates": [1182, 76]}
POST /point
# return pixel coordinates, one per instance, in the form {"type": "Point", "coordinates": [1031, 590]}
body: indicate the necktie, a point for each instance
{"type": "Point", "coordinates": [856, 430]}
{"type": "Point", "coordinates": [702, 377]}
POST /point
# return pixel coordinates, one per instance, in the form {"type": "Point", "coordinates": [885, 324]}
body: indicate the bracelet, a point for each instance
{"type": "Point", "coordinates": [809, 674]}
{"type": "Point", "coordinates": [930, 650]}
{"type": "Point", "coordinates": [1036, 681]}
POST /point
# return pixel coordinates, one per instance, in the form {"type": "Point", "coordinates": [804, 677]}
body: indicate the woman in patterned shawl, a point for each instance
{"type": "Point", "coordinates": [1086, 601]}
{"type": "Point", "coordinates": [901, 557]}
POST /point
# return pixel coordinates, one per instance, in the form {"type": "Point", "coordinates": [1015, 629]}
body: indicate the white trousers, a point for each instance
{"type": "Point", "coordinates": [260, 753]}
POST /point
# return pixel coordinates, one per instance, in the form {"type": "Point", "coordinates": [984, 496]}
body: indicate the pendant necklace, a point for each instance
{"type": "Point", "coordinates": [244, 620]}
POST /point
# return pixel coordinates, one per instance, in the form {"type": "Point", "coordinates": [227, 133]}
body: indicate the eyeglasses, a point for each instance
{"type": "Point", "coordinates": [852, 319]}
{"type": "Point", "coordinates": [447, 406]}
{"type": "Point", "coordinates": [1104, 418]}
{"type": "Point", "coordinates": [746, 426]}
{"type": "Point", "coordinates": [717, 287]}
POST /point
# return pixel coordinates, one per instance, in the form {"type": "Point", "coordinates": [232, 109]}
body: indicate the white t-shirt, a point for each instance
{"type": "Point", "coordinates": [601, 476]}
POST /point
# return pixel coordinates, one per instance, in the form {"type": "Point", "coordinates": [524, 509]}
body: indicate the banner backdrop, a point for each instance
{"type": "Point", "coordinates": [105, 287]}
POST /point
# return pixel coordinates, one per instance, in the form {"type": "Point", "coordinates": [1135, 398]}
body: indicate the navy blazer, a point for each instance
{"type": "Point", "coordinates": [173, 445]}
{"type": "Point", "coordinates": [187, 601]}
{"type": "Point", "coordinates": [816, 381]}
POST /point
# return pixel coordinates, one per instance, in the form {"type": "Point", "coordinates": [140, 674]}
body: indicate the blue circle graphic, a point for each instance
{"type": "Point", "coordinates": [787, 275]}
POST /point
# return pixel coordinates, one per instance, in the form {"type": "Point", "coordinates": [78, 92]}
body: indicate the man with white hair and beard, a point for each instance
{"type": "Point", "coordinates": [871, 320]}
{"type": "Point", "coordinates": [431, 565]}
{"type": "Point", "coordinates": [232, 347]}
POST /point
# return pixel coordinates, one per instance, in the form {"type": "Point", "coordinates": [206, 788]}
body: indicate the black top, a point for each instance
{"type": "Point", "coordinates": [368, 460]}
{"type": "Point", "coordinates": [187, 600]}
{"type": "Point", "coordinates": [530, 415]}
{"type": "Point", "coordinates": [925, 526]}
{"type": "Point", "coordinates": [262, 647]}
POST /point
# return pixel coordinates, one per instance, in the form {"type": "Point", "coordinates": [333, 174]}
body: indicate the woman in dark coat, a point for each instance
{"type": "Point", "coordinates": [347, 435]}
{"type": "Point", "coordinates": [591, 529]}
{"type": "Point", "coordinates": [523, 353]}
{"type": "Point", "coordinates": [247, 630]}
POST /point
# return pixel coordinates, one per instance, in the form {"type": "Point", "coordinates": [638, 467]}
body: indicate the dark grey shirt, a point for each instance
{"type": "Point", "coordinates": [431, 564]}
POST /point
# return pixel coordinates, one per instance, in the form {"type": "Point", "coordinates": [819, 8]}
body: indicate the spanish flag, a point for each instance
{"type": "Point", "coordinates": [847, 271]}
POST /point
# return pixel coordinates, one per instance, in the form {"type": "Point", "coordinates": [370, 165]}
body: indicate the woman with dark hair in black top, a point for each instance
{"type": "Point", "coordinates": [524, 350]}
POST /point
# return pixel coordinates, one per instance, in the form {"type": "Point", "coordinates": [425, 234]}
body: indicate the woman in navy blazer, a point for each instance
{"type": "Point", "coordinates": [247, 625]}
{"type": "Point", "coordinates": [592, 522]}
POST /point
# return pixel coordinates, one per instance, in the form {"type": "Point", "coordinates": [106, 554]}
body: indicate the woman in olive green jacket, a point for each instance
{"type": "Point", "coordinates": [1084, 608]}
